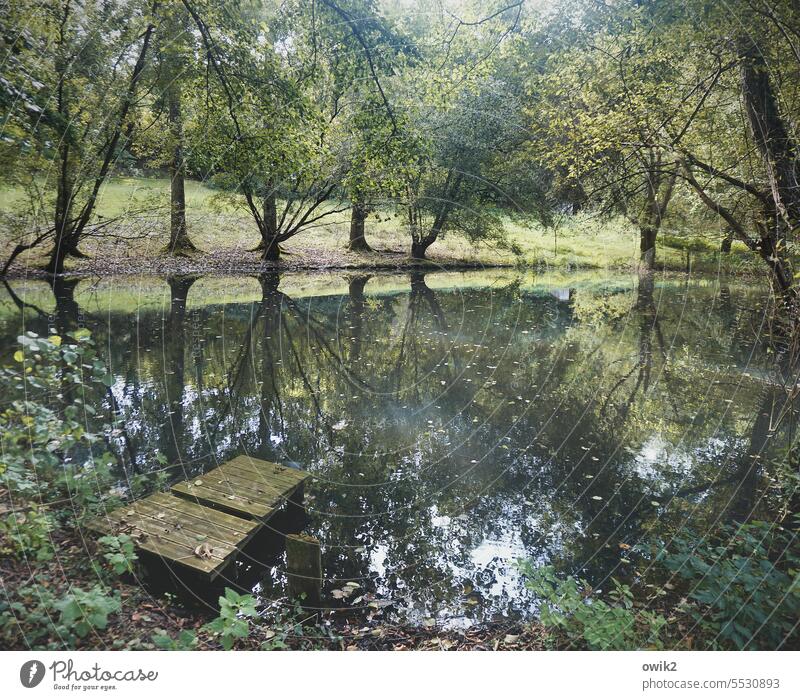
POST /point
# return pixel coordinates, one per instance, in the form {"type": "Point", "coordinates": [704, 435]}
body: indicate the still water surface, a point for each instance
{"type": "Point", "coordinates": [454, 422]}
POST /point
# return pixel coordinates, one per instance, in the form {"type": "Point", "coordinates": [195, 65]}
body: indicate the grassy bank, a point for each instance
{"type": "Point", "coordinates": [225, 235]}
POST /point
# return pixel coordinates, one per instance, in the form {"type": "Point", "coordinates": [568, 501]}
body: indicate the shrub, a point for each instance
{"type": "Point", "coordinates": [27, 534]}
{"type": "Point", "coordinates": [742, 586]}
{"type": "Point", "coordinates": [233, 622]}
{"type": "Point", "coordinates": [48, 455]}
{"type": "Point", "coordinates": [29, 618]}
{"type": "Point", "coordinates": [119, 553]}
{"type": "Point", "coordinates": [577, 616]}
{"type": "Point", "coordinates": [82, 611]}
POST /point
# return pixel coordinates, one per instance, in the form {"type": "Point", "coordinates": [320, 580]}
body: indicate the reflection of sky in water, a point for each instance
{"type": "Point", "coordinates": [454, 424]}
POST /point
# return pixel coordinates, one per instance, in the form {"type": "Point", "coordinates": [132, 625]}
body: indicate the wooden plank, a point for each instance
{"type": "Point", "coordinates": [244, 486]}
{"type": "Point", "coordinates": [225, 499]}
{"type": "Point", "coordinates": [183, 522]}
{"type": "Point", "coordinates": [156, 518]}
{"type": "Point", "coordinates": [261, 490]}
{"type": "Point", "coordinates": [261, 466]}
{"type": "Point", "coordinates": [219, 518]}
{"type": "Point", "coordinates": [275, 480]}
{"type": "Point", "coordinates": [120, 522]}
{"type": "Point", "coordinates": [222, 509]}
{"type": "Point", "coordinates": [241, 492]}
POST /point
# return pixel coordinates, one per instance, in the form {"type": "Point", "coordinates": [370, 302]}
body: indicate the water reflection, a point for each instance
{"type": "Point", "coordinates": [453, 423]}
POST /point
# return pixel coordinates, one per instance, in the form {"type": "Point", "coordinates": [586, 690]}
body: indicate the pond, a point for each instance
{"type": "Point", "coordinates": [454, 422]}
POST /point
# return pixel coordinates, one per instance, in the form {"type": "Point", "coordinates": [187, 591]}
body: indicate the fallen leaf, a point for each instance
{"type": "Point", "coordinates": [204, 551]}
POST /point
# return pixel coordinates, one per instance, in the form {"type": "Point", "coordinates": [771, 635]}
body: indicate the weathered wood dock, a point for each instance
{"type": "Point", "coordinates": [204, 522]}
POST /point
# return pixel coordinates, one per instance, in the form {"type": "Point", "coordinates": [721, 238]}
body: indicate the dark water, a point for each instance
{"type": "Point", "coordinates": [454, 422]}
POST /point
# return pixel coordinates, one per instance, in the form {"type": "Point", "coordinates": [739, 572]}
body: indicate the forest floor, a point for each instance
{"type": "Point", "coordinates": [225, 237]}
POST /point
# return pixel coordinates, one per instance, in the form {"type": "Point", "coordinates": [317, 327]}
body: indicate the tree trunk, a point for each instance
{"type": "Point", "coordinates": [269, 233]}
{"type": "Point", "coordinates": [63, 248]}
{"type": "Point", "coordinates": [179, 242]}
{"type": "Point", "coordinates": [271, 251]}
{"type": "Point", "coordinates": [647, 247]}
{"type": "Point", "coordinates": [769, 131]}
{"type": "Point", "coordinates": [358, 215]}
{"type": "Point", "coordinates": [418, 250]}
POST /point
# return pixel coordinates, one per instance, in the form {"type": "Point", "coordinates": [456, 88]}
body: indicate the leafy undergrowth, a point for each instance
{"type": "Point", "coordinates": [737, 588]}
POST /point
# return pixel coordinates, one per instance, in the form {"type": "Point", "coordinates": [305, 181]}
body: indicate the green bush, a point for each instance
{"type": "Point", "coordinates": [742, 586]}
{"type": "Point", "coordinates": [119, 553]}
{"type": "Point", "coordinates": [577, 616]}
{"type": "Point", "coordinates": [27, 534]}
{"type": "Point", "coordinates": [29, 618]}
{"type": "Point", "coordinates": [233, 622]}
{"type": "Point", "coordinates": [185, 641]}
{"type": "Point", "coordinates": [47, 454]}
{"type": "Point", "coordinates": [82, 611]}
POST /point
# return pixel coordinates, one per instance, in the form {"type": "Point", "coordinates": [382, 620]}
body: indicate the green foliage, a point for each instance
{"type": "Point", "coordinates": [48, 454]}
{"type": "Point", "coordinates": [577, 616]}
{"type": "Point", "coordinates": [742, 585]}
{"type": "Point", "coordinates": [30, 615]}
{"type": "Point", "coordinates": [27, 534]}
{"type": "Point", "coordinates": [185, 641]}
{"type": "Point", "coordinates": [119, 553]}
{"type": "Point", "coordinates": [233, 622]}
{"type": "Point", "coordinates": [82, 611]}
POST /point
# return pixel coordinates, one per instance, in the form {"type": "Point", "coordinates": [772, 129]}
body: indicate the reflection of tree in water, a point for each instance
{"type": "Point", "coordinates": [438, 439]}
{"type": "Point", "coordinates": [175, 367]}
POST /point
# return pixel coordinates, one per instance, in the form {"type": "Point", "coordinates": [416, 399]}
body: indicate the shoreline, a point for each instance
{"type": "Point", "coordinates": [235, 263]}
{"type": "Point", "coordinates": [240, 263]}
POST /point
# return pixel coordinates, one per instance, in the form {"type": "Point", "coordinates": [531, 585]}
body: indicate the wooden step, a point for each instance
{"type": "Point", "coordinates": [222, 509]}
{"type": "Point", "coordinates": [245, 487]}
{"type": "Point", "coordinates": [173, 528]}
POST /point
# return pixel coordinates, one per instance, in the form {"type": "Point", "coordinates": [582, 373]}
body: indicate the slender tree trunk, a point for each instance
{"type": "Point", "coordinates": [179, 242]}
{"type": "Point", "coordinates": [269, 234]}
{"type": "Point", "coordinates": [358, 216]}
{"type": "Point", "coordinates": [647, 246]}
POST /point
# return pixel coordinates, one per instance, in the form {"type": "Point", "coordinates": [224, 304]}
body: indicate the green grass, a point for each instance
{"type": "Point", "coordinates": [217, 224]}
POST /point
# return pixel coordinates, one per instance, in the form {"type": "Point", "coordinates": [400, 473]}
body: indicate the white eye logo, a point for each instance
{"type": "Point", "coordinates": [31, 673]}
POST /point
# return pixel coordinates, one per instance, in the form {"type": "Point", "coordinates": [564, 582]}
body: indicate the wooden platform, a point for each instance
{"type": "Point", "coordinates": [246, 487]}
{"type": "Point", "coordinates": [204, 522]}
